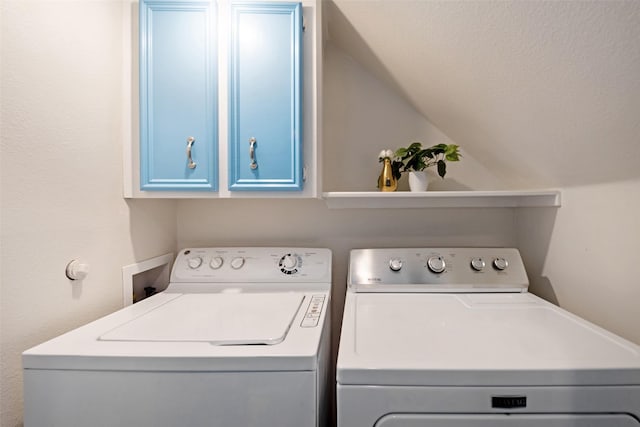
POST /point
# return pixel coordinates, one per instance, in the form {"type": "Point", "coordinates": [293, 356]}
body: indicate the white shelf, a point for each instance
{"type": "Point", "coordinates": [442, 199]}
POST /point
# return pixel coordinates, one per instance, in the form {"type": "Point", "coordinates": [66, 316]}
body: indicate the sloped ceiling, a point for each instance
{"type": "Point", "coordinates": [542, 93]}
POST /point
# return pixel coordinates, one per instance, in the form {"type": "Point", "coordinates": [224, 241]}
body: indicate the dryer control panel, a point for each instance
{"type": "Point", "coordinates": [252, 265]}
{"type": "Point", "coordinates": [437, 270]}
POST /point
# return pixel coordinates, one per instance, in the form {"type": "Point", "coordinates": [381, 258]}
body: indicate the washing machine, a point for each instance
{"type": "Point", "coordinates": [240, 337]}
{"type": "Point", "coordinates": [444, 337]}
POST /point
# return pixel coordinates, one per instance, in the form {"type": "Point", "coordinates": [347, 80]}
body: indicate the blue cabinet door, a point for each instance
{"type": "Point", "coordinates": [265, 103]}
{"type": "Point", "coordinates": [178, 96]}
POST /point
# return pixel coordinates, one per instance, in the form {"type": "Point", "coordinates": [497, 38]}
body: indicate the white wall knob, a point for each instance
{"type": "Point", "coordinates": [77, 271]}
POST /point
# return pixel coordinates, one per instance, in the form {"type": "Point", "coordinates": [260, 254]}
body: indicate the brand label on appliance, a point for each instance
{"type": "Point", "coordinates": [508, 402]}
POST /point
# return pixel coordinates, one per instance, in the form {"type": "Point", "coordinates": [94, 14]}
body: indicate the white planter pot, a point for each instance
{"type": "Point", "coordinates": [418, 181]}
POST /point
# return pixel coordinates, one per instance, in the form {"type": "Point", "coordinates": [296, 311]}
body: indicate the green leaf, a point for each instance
{"type": "Point", "coordinates": [452, 153]}
{"type": "Point", "coordinates": [438, 149]}
{"type": "Point", "coordinates": [400, 152]}
{"type": "Point", "coordinates": [442, 168]}
{"type": "Point", "coordinates": [428, 152]}
{"type": "Point", "coordinates": [414, 157]}
{"type": "Point", "coordinates": [452, 148]}
{"type": "Point", "coordinates": [412, 164]}
{"type": "Point", "coordinates": [395, 169]}
{"type": "Point", "coordinates": [415, 147]}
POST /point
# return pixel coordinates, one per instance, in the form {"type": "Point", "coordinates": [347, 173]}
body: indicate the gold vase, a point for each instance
{"type": "Point", "coordinates": [386, 181]}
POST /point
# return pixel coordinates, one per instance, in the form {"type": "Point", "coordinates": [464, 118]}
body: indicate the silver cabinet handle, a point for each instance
{"type": "Point", "coordinates": [252, 143]}
{"type": "Point", "coordinates": [190, 141]}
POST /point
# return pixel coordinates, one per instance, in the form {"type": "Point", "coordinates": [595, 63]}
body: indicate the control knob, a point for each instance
{"type": "Point", "coordinates": [288, 263]}
{"type": "Point", "coordinates": [194, 262]}
{"type": "Point", "coordinates": [237, 262]}
{"type": "Point", "coordinates": [500, 264]}
{"type": "Point", "coordinates": [477, 264]}
{"type": "Point", "coordinates": [395, 264]}
{"type": "Point", "coordinates": [216, 262]}
{"type": "Point", "coordinates": [436, 264]}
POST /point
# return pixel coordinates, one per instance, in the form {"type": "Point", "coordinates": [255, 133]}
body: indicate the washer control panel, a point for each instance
{"type": "Point", "coordinates": [269, 265]}
{"type": "Point", "coordinates": [437, 270]}
{"type": "Point", "coordinates": [314, 310]}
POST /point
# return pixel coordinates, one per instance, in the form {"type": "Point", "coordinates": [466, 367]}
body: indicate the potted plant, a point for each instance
{"type": "Point", "coordinates": [416, 160]}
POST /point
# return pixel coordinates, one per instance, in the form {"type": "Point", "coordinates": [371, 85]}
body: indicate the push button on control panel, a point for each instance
{"type": "Point", "coordinates": [312, 315]}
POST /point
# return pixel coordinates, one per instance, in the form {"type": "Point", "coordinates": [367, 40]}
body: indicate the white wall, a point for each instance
{"type": "Point", "coordinates": [61, 171]}
{"type": "Point", "coordinates": [585, 256]}
{"type": "Point", "coordinates": [544, 93]}
{"type": "Point", "coordinates": [363, 115]}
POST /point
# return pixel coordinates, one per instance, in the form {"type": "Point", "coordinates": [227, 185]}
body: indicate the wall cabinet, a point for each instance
{"type": "Point", "coordinates": [178, 97]}
{"type": "Point", "coordinates": [265, 96]}
{"type": "Point", "coordinates": [221, 99]}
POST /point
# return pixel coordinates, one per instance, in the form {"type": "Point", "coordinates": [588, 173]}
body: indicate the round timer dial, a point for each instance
{"type": "Point", "coordinates": [290, 263]}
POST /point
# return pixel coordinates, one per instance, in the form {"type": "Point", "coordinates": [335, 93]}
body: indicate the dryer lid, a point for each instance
{"type": "Point", "coordinates": [220, 319]}
{"type": "Point", "coordinates": [477, 339]}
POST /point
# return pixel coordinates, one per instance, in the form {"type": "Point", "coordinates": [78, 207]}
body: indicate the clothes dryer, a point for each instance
{"type": "Point", "coordinates": [239, 338]}
{"type": "Point", "coordinates": [443, 337]}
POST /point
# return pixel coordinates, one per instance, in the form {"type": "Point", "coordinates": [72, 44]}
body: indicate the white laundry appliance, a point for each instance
{"type": "Point", "coordinates": [450, 337]}
{"type": "Point", "coordinates": [240, 337]}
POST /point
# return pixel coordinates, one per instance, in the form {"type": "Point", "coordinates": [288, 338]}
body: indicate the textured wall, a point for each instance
{"type": "Point", "coordinates": [363, 115]}
{"type": "Point", "coordinates": [62, 98]}
{"type": "Point", "coordinates": [541, 93]}
{"type": "Point", "coordinates": [584, 257]}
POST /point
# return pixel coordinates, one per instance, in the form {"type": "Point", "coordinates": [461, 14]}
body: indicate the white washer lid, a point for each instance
{"type": "Point", "coordinates": [477, 339]}
{"type": "Point", "coordinates": [220, 319]}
